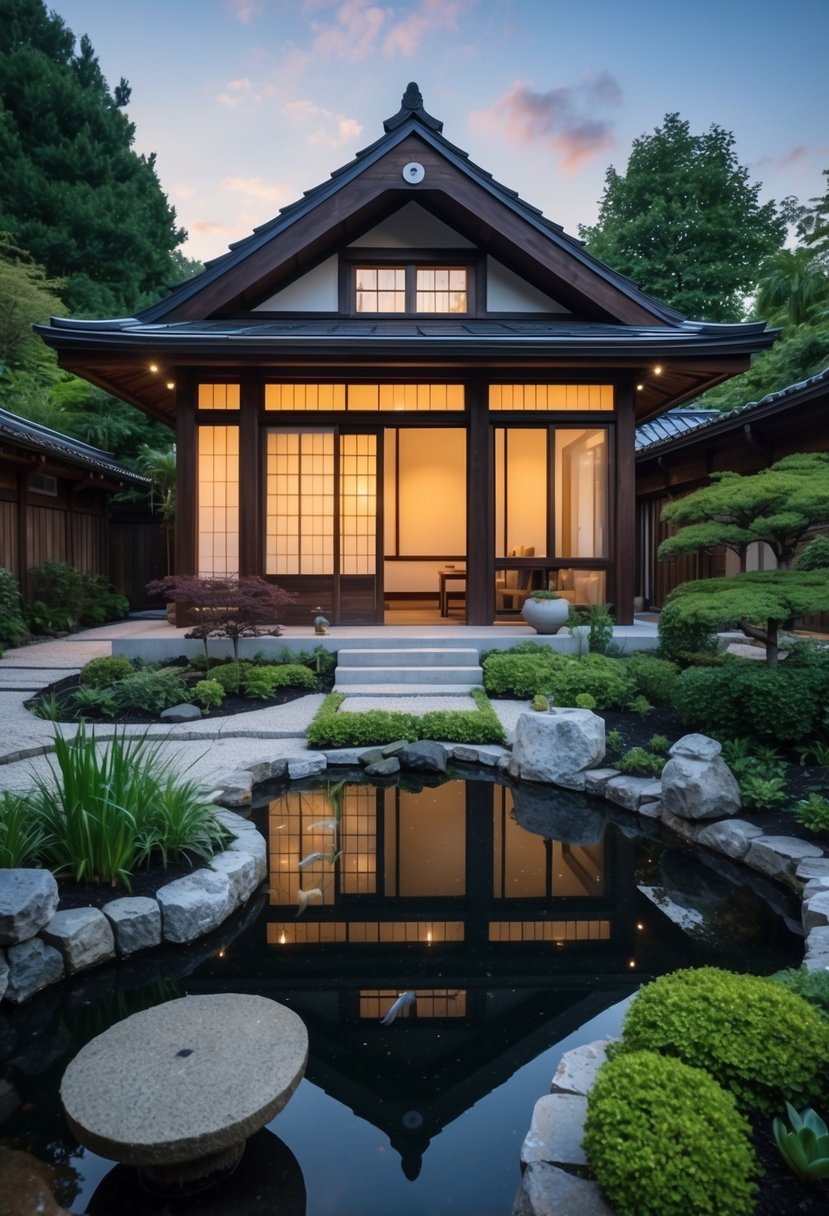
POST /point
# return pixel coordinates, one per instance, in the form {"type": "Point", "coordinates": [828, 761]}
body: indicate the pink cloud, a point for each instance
{"type": "Point", "coordinates": [330, 130]}
{"type": "Point", "coordinates": [245, 10]}
{"type": "Point", "coordinates": [405, 37]}
{"type": "Point", "coordinates": [256, 188]}
{"type": "Point", "coordinates": [354, 33]}
{"type": "Point", "coordinates": [560, 120]}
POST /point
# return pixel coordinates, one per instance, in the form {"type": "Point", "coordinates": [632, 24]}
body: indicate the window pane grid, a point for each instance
{"type": "Point", "coordinates": [358, 503]}
{"type": "Point", "coordinates": [380, 289]}
{"type": "Point", "coordinates": [394, 398]}
{"type": "Point", "coordinates": [218, 500]}
{"type": "Point", "coordinates": [551, 397]}
{"type": "Point", "coordinates": [299, 507]}
{"type": "Point", "coordinates": [218, 397]}
{"type": "Point", "coordinates": [441, 289]}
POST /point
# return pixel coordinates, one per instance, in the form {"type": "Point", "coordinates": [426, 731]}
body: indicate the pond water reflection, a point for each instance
{"type": "Point", "coordinates": [513, 916]}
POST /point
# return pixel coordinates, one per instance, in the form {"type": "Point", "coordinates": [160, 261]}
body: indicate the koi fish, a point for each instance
{"type": "Point", "coordinates": [403, 1002]}
{"type": "Point", "coordinates": [303, 898]}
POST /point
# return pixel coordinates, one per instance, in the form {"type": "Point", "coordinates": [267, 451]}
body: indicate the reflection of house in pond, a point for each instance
{"type": "Point", "coordinates": [498, 931]}
{"type": "Point", "coordinates": [451, 865]}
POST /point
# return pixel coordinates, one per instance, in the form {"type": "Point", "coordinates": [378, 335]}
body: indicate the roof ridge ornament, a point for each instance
{"type": "Point", "coordinates": [411, 106]}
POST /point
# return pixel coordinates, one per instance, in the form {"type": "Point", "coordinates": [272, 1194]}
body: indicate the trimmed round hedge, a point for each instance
{"type": "Point", "coordinates": [760, 1041]}
{"type": "Point", "coordinates": [664, 1139]}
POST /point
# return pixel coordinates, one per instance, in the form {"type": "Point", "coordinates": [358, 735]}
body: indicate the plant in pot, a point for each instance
{"type": "Point", "coordinates": [545, 611]}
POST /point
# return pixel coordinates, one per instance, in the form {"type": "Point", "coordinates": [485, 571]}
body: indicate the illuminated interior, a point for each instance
{"type": "Point", "coordinates": [428, 1003]}
{"type": "Point", "coordinates": [218, 500]}
{"type": "Point", "coordinates": [397, 398]}
{"type": "Point", "coordinates": [299, 536]}
{"type": "Point", "coordinates": [551, 396]}
{"type": "Point", "coordinates": [358, 504]}
{"type": "Point", "coordinates": [218, 397]}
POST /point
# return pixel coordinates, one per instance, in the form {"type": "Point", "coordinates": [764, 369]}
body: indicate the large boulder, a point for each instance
{"type": "Point", "coordinates": [83, 936]}
{"type": "Point", "coordinates": [136, 923]}
{"type": "Point", "coordinates": [28, 901]}
{"type": "Point", "coordinates": [553, 745]}
{"type": "Point", "coordinates": [424, 757]}
{"type": "Point", "coordinates": [192, 906]}
{"type": "Point", "coordinates": [696, 781]}
{"type": "Point", "coordinates": [32, 965]}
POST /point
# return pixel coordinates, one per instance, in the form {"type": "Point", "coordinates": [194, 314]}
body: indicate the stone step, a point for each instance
{"type": "Point", "coordinates": [411, 691]}
{"type": "Point", "coordinates": [410, 676]}
{"type": "Point", "coordinates": [420, 656]}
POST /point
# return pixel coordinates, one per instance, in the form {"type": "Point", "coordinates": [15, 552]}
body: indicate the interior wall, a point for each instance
{"type": "Point", "coordinates": [521, 484]}
{"type": "Point", "coordinates": [424, 504]}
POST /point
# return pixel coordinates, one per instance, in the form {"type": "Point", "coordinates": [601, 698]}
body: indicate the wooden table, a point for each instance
{"type": "Point", "coordinates": [445, 575]}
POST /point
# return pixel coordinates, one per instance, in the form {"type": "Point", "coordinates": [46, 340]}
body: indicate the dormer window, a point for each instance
{"type": "Point", "coordinates": [411, 289]}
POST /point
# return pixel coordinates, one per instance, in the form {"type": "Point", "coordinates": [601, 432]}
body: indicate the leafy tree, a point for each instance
{"type": "Point", "coordinates": [801, 352]}
{"type": "Point", "coordinates": [793, 288]}
{"type": "Point", "coordinates": [685, 222]}
{"type": "Point", "coordinates": [73, 192]}
{"type": "Point", "coordinates": [26, 297]}
{"type": "Point", "coordinates": [761, 603]}
{"type": "Point", "coordinates": [778, 506]}
{"type": "Point", "coordinates": [813, 224]}
{"type": "Point", "coordinates": [159, 464]}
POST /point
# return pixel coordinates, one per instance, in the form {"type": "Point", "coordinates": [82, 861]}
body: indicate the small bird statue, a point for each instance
{"type": "Point", "coordinates": [405, 1000]}
{"type": "Point", "coordinates": [303, 898]}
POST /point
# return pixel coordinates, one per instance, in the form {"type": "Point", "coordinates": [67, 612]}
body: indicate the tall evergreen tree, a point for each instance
{"type": "Point", "coordinates": [685, 223]}
{"type": "Point", "coordinates": [73, 192]}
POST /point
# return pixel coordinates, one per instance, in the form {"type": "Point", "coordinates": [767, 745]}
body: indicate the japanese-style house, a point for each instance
{"type": "Point", "coordinates": [676, 452]}
{"type": "Point", "coordinates": [409, 377]}
{"type": "Point", "coordinates": [56, 505]}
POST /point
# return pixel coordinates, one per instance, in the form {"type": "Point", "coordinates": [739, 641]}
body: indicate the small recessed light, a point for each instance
{"type": "Point", "coordinates": [657, 371]}
{"type": "Point", "coordinates": [153, 367]}
{"type": "Point", "coordinates": [171, 384]}
{"type": "Point", "coordinates": [639, 387]}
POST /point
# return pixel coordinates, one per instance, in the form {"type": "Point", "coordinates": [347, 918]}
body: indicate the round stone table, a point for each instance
{"type": "Point", "coordinates": [178, 1089]}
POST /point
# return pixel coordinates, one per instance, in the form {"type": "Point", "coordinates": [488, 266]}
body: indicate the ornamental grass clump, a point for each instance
{"type": "Point", "coordinates": [664, 1139]}
{"type": "Point", "coordinates": [763, 1043]}
{"type": "Point", "coordinates": [106, 809]}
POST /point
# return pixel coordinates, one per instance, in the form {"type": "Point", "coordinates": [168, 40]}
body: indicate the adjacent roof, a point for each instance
{"type": "Point", "coordinates": [31, 436]}
{"type": "Point", "coordinates": [678, 427]}
{"type": "Point", "coordinates": [207, 319]}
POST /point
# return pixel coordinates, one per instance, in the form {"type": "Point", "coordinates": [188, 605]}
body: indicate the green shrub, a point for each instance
{"type": "Point", "coordinates": [664, 1139]}
{"type": "Point", "coordinates": [613, 741]}
{"type": "Point", "coordinates": [21, 833]}
{"type": "Point", "coordinates": [12, 625]}
{"type": "Point", "coordinates": [351, 729]}
{"type": "Point", "coordinates": [149, 691]}
{"type": "Point", "coordinates": [264, 681]}
{"type": "Point", "coordinates": [540, 703]}
{"type": "Point", "coordinates": [209, 694]}
{"type": "Point", "coordinates": [764, 1044]}
{"type": "Point", "coordinates": [813, 986]}
{"type": "Point", "coordinates": [98, 673]}
{"type": "Point", "coordinates": [812, 813]}
{"type": "Point", "coordinates": [68, 597]}
{"type": "Point", "coordinates": [640, 705]}
{"type": "Point", "coordinates": [94, 700]}
{"type": "Point", "coordinates": [815, 556]}
{"type": "Point", "coordinates": [764, 793]}
{"type": "Point", "coordinates": [605, 679]}
{"type": "Point", "coordinates": [678, 639]}
{"type": "Point", "coordinates": [521, 672]}
{"type": "Point", "coordinates": [640, 763]}
{"type": "Point", "coordinates": [41, 620]}
{"type": "Point", "coordinates": [230, 675]}
{"type": "Point", "coordinates": [585, 700]}
{"type": "Point", "coordinates": [748, 698]}
{"type": "Point", "coordinates": [659, 744]}
{"type": "Point", "coordinates": [653, 678]}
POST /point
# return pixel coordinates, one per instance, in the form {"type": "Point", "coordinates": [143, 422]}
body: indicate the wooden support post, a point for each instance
{"type": "Point", "coordinates": [250, 464]}
{"type": "Point", "coordinates": [480, 541]}
{"type": "Point", "coordinates": [625, 501]}
{"type": "Point", "coordinates": [186, 480]}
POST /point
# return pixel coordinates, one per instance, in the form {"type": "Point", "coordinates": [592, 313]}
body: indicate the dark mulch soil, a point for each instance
{"type": "Point", "coordinates": [780, 1192]}
{"type": "Point", "coordinates": [143, 882]}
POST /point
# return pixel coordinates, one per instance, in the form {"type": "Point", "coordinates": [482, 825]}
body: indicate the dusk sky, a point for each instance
{"type": "Point", "coordinates": [249, 102]}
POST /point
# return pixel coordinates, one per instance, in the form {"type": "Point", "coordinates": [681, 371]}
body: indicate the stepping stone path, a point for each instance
{"type": "Point", "coordinates": [177, 1089]}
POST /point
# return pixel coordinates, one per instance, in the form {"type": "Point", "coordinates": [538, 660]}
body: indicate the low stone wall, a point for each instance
{"type": "Point", "coordinates": [42, 944]}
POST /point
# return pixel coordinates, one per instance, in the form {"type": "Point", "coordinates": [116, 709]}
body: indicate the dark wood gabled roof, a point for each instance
{"type": "Point", "coordinates": [208, 320]}
{"type": "Point", "coordinates": [53, 450]}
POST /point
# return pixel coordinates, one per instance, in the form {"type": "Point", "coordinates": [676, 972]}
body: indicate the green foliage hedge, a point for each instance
{"type": "Point", "coordinates": [521, 673]}
{"type": "Point", "coordinates": [764, 1044]}
{"type": "Point", "coordinates": [654, 678]}
{"type": "Point", "coordinates": [747, 698]}
{"type": "Point", "coordinates": [99, 673]}
{"type": "Point", "coordinates": [332, 728]}
{"type": "Point", "coordinates": [608, 680]}
{"type": "Point", "coordinates": [529, 669]}
{"type": "Point", "coordinates": [12, 626]}
{"type": "Point", "coordinates": [813, 986]}
{"type": "Point", "coordinates": [664, 1139]}
{"type": "Point", "coordinates": [264, 681]}
{"type": "Point", "coordinates": [71, 597]}
{"type": "Point", "coordinates": [150, 692]}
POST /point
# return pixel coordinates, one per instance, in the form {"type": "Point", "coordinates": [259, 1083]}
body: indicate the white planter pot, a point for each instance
{"type": "Point", "coordinates": [545, 616]}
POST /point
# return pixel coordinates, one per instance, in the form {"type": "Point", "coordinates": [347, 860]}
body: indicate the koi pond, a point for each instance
{"type": "Point", "coordinates": [518, 921]}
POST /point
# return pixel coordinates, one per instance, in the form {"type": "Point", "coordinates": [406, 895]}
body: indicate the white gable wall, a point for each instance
{"type": "Point", "coordinates": [508, 292]}
{"type": "Point", "coordinates": [412, 228]}
{"type": "Point", "coordinates": [316, 291]}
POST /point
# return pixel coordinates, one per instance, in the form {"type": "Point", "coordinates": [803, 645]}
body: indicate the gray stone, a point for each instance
{"type": "Point", "coordinates": [572, 781]}
{"type": "Point", "coordinates": [486, 754]}
{"type": "Point", "coordinates": [136, 923]}
{"type": "Point", "coordinates": [343, 757]}
{"type": "Point", "coordinates": [373, 756]}
{"type": "Point", "coordinates": [556, 1131]}
{"type": "Point", "coordinates": [779, 856]}
{"type": "Point", "coordinates": [306, 766]}
{"type": "Point", "coordinates": [146, 1091]}
{"type": "Point", "coordinates": [28, 901]}
{"type": "Point", "coordinates": [577, 1069]}
{"type": "Point", "coordinates": [686, 828]}
{"type": "Point", "coordinates": [236, 788]}
{"type": "Point", "coordinates": [192, 906]}
{"type": "Point", "coordinates": [817, 949]}
{"type": "Point", "coordinates": [546, 1190]}
{"type": "Point", "coordinates": [696, 747]}
{"type": "Point", "coordinates": [4, 974]}
{"type": "Point", "coordinates": [26, 1185]}
{"type": "Point", "coordinates": [815, 886]}
{"type": "Point", "coordinates": [595, 780]}
{"type": "Point", "coordinates": [631, 792]}
{"type": "Point", "coordinates": [383, 768]}
{"type": "Point", "coordinates": [559, 815]}
{"type": "Point", "coordinates": [731, 836]}
{"type": "Point", "coordinates": [242, 872]}
{"type": "Point", "coordinates": [650, 810]}
{"type": "Point", "coordinates": [32, 965]}
{"type": "Point", "coordinates": [424, 757]}
{"type": "Point", "coordinates": [547, 746]}
{"type": "Point", "coordinates": [815, 911]}
{"type": "Point", "coordinates": [700, 789]}
{"type": "Point", "coordinates": [813, 867]}
{"type": "Point", "coordinates": [180, 713]}
{"type": "Point", "coordinates": [395, 748]}
{"type": "Point", "coordinates": [83, 936]}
